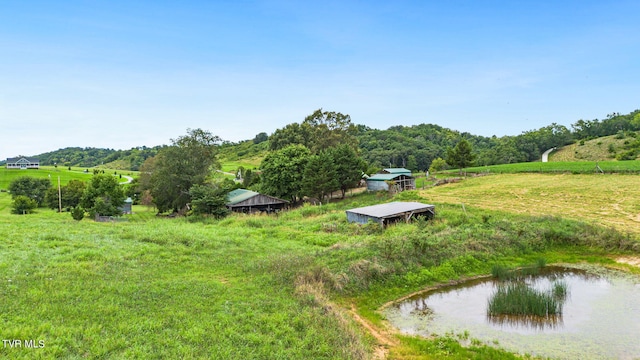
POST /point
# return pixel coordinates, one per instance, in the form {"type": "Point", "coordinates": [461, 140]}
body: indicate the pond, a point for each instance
{"type": "Point", "coordinates": [600, 316]}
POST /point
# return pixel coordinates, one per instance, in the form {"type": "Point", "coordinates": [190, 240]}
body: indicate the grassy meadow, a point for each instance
{"type": "Point", "coordinates": [298, 285]}
{"type": "Point", "coordinates": [561, 167]}
{"type": "Point", "coordinates": [51, 172]}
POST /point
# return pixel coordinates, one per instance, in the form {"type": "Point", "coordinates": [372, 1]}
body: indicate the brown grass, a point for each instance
{"type": "Point", "coordinates": [609, 200]}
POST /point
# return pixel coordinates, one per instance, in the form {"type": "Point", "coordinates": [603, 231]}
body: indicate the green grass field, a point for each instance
{"type": "Point", "coordinates": [52, 173]}
{"type": "Point", "coordinates": [573, 167]}
{"type": "Point", "coordinates": [292, 286]}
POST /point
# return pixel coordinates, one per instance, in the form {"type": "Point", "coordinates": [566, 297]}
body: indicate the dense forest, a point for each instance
{"type": "Point", "coordinates": [413, 147]}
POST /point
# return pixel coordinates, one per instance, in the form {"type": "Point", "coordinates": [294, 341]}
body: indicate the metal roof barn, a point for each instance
{"type": "Point", "coordinates": [390, 212]}
{"type": "Point", "coordinates": [247, 201]}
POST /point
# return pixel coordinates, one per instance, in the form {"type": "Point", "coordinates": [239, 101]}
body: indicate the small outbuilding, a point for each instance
{"type": "Point", "coordinates": [126, 208]}
{"type": "Point", "coordinates": [390, 212]}
{"type": "Point", "coordinates": [247, 201]}
{"type": "Point", "coordinates": [400, 182]}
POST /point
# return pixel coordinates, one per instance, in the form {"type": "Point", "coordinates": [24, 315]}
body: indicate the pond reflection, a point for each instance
{"type": "Point", "coordinates": [600, 317]}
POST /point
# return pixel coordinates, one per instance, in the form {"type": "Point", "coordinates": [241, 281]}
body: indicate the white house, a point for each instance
{"type": "Point", "coordinates": [23, 163]}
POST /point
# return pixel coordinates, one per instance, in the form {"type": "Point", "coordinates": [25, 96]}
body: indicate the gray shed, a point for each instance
{"type": "Point", "coordinates": [390, 212]}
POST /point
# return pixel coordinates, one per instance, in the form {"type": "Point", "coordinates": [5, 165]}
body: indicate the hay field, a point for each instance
{"type": "Point", "coordinates": [610, 200]}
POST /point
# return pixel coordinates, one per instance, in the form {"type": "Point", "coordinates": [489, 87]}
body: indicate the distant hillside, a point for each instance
{"type": "Point", "coordinates": [624, 146]}
{"type": "Point", "coordinates": [89, 157]}
{"type": "Point", "coordinates": [413, 147]}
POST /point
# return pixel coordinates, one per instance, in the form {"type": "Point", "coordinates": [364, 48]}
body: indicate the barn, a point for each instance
{"type": "Point", "coordinates": [385, 214]}
{"type": "Point", "coordinates": [247, 201]}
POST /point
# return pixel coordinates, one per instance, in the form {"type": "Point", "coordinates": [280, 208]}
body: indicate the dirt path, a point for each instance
{"type": "Point", "coordinates": [384, 339]}
{"type": "Point", "coordinates": [629, 260]}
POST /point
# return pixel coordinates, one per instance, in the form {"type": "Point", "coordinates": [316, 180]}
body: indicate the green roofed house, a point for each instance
{"type": "Point", "coordinates": [247, 201]}
{"type": "Point", "coordinates": [23, 163]}
{"type": "Point", "coordinates": [398, 178]}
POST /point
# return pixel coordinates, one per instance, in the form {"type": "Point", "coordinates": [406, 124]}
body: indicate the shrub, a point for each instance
{"type": "Point", "coordinates": [23, 205]}
{"type": "Point", "coordinates": [77, 213]}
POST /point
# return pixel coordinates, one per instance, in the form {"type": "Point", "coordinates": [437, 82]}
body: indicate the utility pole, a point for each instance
{"type": "Point", "coordinates": [59, 196]}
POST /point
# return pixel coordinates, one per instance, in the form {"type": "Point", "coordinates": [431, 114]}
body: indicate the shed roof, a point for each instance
{"type": "Point", "coordinates": [397, 171]}
{"type": "Point", "coordinates": [391, 209]}
{"type": "Point", "coordinates": [385, 177]}
{"type": "Point", "coordinates": [239, 195]}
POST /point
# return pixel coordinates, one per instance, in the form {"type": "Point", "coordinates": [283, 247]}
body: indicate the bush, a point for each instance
{"type": "Point", "coordinates": [77, 213]}
{"type": "Point", "coordinates": [23, 205]}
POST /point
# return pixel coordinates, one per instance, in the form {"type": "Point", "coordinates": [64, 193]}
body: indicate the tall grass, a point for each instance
{"type": "Point", "coordinates": [518, 298]}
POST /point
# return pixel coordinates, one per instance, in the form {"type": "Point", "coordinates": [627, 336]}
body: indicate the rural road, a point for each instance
{"type": "Point", "coordinates": [129, 180]}
{"type": "Point", "coordinates": [545, 155]}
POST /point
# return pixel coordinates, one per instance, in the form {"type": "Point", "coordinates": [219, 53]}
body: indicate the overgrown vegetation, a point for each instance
{"type": "Point", "coordinates": [253, 286]}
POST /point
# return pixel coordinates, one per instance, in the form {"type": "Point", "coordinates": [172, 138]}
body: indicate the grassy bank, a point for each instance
{"type": "Point", "coordinates": [253, 287]}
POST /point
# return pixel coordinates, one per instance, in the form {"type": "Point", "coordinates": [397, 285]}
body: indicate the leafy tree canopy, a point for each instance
{"type": "Point", "coordinates": [189, 161]}
{"type": "Point", "coordinates": [103, 196]}
{"type": "Point", "coordinates": [33, 188]}
{"type": "Point", "coordinates": [283, 170]}
{"type": "Point", "coordinates": [319, 131]}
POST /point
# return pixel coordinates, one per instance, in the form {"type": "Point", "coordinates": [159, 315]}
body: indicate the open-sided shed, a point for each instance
{"type": "Point", "coordinates": [401, 182]}
{"type": "Point", "coordinates": [247, 201]}
{"type": "Point", "coordinates": [390, 212]}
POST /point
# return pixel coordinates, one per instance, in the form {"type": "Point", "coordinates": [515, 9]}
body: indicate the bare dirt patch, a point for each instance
{"type": "Point", "coordinates": [629, 260]}
{"type": "Point", "coordinates": [384, 339]}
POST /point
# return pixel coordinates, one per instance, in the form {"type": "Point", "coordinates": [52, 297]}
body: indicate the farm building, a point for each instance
{"type": "Point", "coordinates": [126, 207]}
{"type": "Point", "coordinates": [247, 201]}
{"type": "Point", "coordinates": [23, 163]}
{"type": "Point", "coordinates": [401, 182]}
{"type": "Point", "coordinates": [390, 212]}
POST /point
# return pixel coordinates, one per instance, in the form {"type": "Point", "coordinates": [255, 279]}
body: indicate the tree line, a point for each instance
{"type": "Point", "coordinates": [413, 147]}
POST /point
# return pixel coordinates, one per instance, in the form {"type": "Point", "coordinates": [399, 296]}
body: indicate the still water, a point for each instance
{"type": "Point", "coordinates": [600, 317]}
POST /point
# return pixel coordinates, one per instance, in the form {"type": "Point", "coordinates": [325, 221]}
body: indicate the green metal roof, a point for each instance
{"type": "Point", "coordinates": [398, 171]}
{"type": "Point", "coordinates": [384, 177]}
{"type": "Point", "coordinates": [239, 195]}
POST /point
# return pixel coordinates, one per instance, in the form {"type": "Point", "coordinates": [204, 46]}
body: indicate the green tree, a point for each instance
{"type": "Point", "coordinates": [103, 196]}
{"type": "Point", "coordinates": [23, 204]}
{"type": "Point", "coordinates": [189, 161]}
{"type": "Point", "coordinates": [261, 137]}
{"type": "Point", "coordinates": [71, 195]}
{"type": "Point", "coordinates": [292, 134]}
{"type": "Point", "coordinates": [319, 131]}
{"type": "Point", "coordinates": [437, 164]}
{"type": "Point", "coordinates": [330, 129]}
{"type": "Point", "coordinates": [209, 199]}
{"type": "Point", "coordinates": [35, 189]}
{"type": "Point", "coordinates": [349, 167]}
{"type": "Point", "coordinates": [282, 172]}
{"type": "Point", "coordinates": [461, 155]}
{"type": "Point", "coordinates": [320, 176]}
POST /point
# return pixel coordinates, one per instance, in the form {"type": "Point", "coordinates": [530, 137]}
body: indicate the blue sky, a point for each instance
{"type": "Point", "coordinates": [119, 74]}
